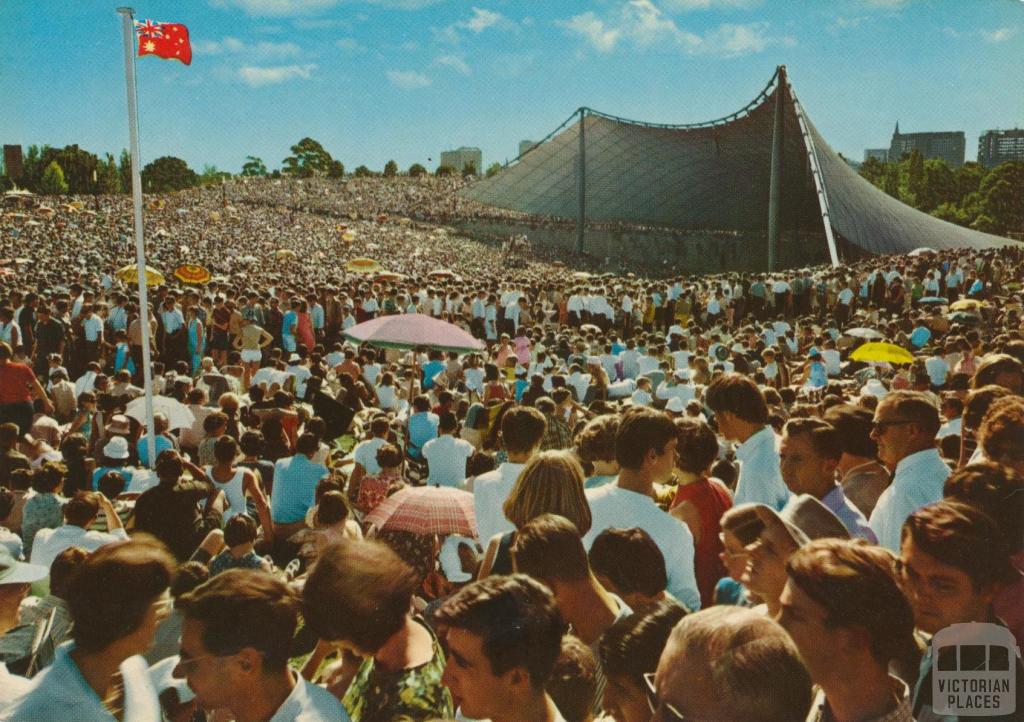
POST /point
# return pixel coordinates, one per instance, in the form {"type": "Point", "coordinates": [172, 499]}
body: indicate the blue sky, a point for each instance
{"type": "Point", "coordinates": [405, 79]}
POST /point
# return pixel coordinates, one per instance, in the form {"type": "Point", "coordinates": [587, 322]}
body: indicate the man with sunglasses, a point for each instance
{"type": "Point", "coordinates": [726, 664]}
{"type": "Point", "coordinates": [235, 644]}
{"type": "Point", "coordinates": [905, 426]}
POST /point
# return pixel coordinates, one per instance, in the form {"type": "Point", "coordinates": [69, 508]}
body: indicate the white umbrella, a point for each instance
{"type": "Point", "coordinates": [178, 415]}
{"type": "Point", "coordinates": [866, 333]}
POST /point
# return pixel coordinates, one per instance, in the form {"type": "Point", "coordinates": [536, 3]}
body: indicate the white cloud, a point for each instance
{"type": "Point", "coordinates": [257, 77]}
{"type": "Point", "coordinates": [350, 44]}
{"type": "Point", "coordinates": [282, 8]}
{"type": "Point", "coordinates": [642, 23]}
{"type": "Point", "coordinates": [480, 20]}
{"type": "Point", "coordinates": [998, 35]}
{"type": "Point", "coordinates": [454, 62]}
{"type": "Point", "coordinates": [845, 23]}
{"type": "Point", "coordinates": [690, 5]}
{"type": "Point", "coordinates": [262, 50]}
{"type": "Point", "coordinates": [593, 29]}
{"type": "Point", "coordinates": [408, 79]}
{"type": "Point", "coordinates": [886, 4]}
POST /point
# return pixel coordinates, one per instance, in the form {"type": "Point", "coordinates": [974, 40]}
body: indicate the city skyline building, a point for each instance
{"type": "Point", "coordinates": [946, 145]}
{"type": "Point", "coordinates": [999, 146]}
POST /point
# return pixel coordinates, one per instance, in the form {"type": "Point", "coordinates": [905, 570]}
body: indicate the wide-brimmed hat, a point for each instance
{"type": "Point", "coordinates": [119, 424]}
{"type": "Point", "coordinates": [675, 405]}
{"type": "Point", "coordinates": [805, 519]}
{"type": "Point", "coordinates": [14, 572]}
{"type": "Point", "coordinates": [116, 448]}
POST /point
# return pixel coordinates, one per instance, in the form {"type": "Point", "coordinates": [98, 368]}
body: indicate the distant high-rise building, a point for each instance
{"type": "Point", "coordinates": [461, 157]}
{"type": "Point", "coordinates": [879, 154]}
{"type": "Point", "coordinates": [947, 145]}
{"type": "Point", "coordinates": [525, 145]}
{"type": "Point", "coordinates": [999, 146]}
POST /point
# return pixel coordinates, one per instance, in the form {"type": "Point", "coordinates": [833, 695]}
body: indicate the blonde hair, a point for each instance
{"type": "Point", "coordinates": [551, 483]}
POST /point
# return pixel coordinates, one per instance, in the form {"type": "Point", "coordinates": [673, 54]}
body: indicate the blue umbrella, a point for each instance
{"type": "Point", "coordinates": [933, 299]}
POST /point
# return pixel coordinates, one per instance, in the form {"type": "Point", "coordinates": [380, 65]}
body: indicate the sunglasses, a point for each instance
{"type": "Point", "coordinates": [668, 712]}
{"type": "Point", "coordinates": [880, 427]}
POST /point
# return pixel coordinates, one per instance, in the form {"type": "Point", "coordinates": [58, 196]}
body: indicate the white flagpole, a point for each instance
{"type": "Point", "coordinates": [127, 18]}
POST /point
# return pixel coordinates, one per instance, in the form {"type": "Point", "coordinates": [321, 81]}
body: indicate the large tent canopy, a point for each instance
{"type": "Point", "coordinates": [716, 176]}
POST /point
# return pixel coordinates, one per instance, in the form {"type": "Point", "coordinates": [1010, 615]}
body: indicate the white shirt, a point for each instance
{"type": "Point", "coordinates": [365, 454]}
{"type": "Point", "coordinates": [489, 493]}
{"type": "Point", "coordinates": [11, 687]}
{"type": "Point", "coordinates": [51, 542]}
{"type": "Point", "coordinates": [685, 392]}
{"type": "Point", "coordinates": [937, 369]}
{"type": "Point", "coordinates": [60, 690]}
{"type": "Point", "coordinates": [310, 702]}
{"type": "Point", "coordinates": [953, 427]}
{"type": "Point", "coordinates": [92, 328]}
{"type": "Point", "coordinates": [612, 506]}
{"type": "Point", "coordinates": [446, 457]}
{"type": "Point", "coordinates": [845, 296]}
{"type": "Point", "coordinates": [760, 478]}
{"type": "Point", "coordinates": [833, 361]}
{"type": "Point", "coordinates": [918, 481]}
{"type": "Point", "coordinates": [641, 398]}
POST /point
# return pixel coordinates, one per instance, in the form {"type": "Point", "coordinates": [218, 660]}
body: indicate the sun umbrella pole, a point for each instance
{"type": "Point", "coordinates": [140, 249]}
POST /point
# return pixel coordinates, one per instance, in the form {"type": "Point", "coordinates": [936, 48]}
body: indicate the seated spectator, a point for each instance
{"type": "Point", "coordinates": [446, 454]}
{"type": "Point", "coordinates": [240, 539]}
{"type": "Point", "coordinates": [403, 662]}
{"type": "Point", "coordinates": [504, 636]}
{"type": "Point", "coordinates": [117, 598]}
{"type": "Point", "coordinates": [43, 510]}
{"type": "Point", "coordinates": [16, 646]}
{"type": "Point", "coordinates": [162, 439]}
{"type": "Point", "coordinates": [15, 580]}
{"type": "Point", "coordinates": [236, 640]}
{"type": "Point", "coordinates": [8, 539]}
{"type": "Point", "coordinates": [332, 522]}
{"type": "Point", "coordinates": [295, 480]}
{"type": "Point", "coordinates": [726, 663]}
{"type": "Point", "coordinates": [630, 650]}
{"type": "Point", "coordinates": [79, 513]}
{"type": "Point", "coordinates": [629, 564]}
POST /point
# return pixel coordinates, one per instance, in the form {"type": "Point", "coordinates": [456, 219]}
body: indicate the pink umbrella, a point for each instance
{"type": "Point", "coordinates": [409, 330]}
{"type": "Point", "coordinates": [426, 510]}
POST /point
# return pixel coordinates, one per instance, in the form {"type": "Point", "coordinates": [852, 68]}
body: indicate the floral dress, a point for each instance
{"type": "Point", "coordinates": [416, 694]}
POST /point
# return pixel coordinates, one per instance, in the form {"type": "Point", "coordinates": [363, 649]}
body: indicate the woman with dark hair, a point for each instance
{"type": "Point", "coordinates": [44, 509]}
{"type": "Point", "coordinates": [78, 477]}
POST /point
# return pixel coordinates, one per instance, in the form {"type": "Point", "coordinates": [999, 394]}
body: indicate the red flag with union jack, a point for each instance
{"type": "Point", "coordinates": [165, 40]}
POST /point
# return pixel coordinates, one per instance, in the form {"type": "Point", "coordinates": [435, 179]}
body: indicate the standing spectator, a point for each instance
{"type": "Point", "coordinates": [844, 609]}
{"type": "Point", "coordinates": [863, 479]}
{"type": "Point", "coordinates": [727, 663]}
{"type": "Point", "coordinates": [645, 448]}
{"type": "Point", "coordinates": [742, 415]}
{"type": "Point", "coordinates": [905, 426]}
{"type": "Point", "coordinates": [18, 386]}
{"type": "Point", "coordinates": [504, 635]}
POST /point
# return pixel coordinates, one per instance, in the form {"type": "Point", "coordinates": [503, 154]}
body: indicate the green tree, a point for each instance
{"type": "Point", "coordinates": [363, 172]}
{"type": "Point", "coordinates": [212, 176]}
{"type": "Point", "coordinates": [168, 174]}
{"type": "Point", "coordinates": [253, 166]}
{"type": "Point", "coordinates": [493, 169]}
{"type": "Point", "coordinates": [78, 166]}
{"type": "Point", "coordinates": [124, 170]}
{"type": "Point", "coordinates": [891, 181]}
{"type": "Point", "coordinates": [873, 171]}
{"type": "Point", "coordinates": [52, 183]}
{"type": "Point", "coordinates": [390, 169]}
{"type": "Point", "coordinates": [444, 170]}
{"type": "Point", "coordinates": [1002, 192]}
{"type": "Point", "coordinates": [308, 159]}
{"type": "Point", "coordinates": [952, 213]}
{"type": "Point", "coordinates": [335, 169]}
{"type": "Point", "coordinates": [939, 185]}
{"type": "Point", "coordinates": [108, 182]}
{"type": "Point", "coordinates": [416, 170]}
{"type": "Point", "coordinates": [915, 185]}
{"type": "Point", "coordinates": [968, 179]}
{"type": "Point", "coordinates": [33, 167]}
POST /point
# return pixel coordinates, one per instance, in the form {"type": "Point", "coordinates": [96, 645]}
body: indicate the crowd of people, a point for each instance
{"type": "Point", "coordinates": [683, 498]}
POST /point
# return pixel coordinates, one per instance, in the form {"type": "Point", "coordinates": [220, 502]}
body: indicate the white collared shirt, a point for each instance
{"type": "Point", "coordinates": [918, 481]}
{"type": "Point", "coordinates": [51, 542]}
{"type": "Point", "coordinates": [61, 692]}
{"type": "Point", "coordinates": [760, 478]}
{"type": "Point", "coordinates": [490, 491]}
{"type": "Point", "coordinates": [309, 702]}
{"type": "Point", "coordinates": [612, 506]}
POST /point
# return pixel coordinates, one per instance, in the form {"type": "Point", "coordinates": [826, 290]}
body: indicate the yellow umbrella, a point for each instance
{"type": "Point", "coordinates": [966, 304]}
{"type": "Point", "coordinates": [129, 274]}
{"type": "Point", "coordinates": [881, 352]}
{"type": "Point", "coordinates": [77, 205]}
{"type": "Point", "coordinates": [192, 273]}
{"type": "Point", "coordinates": [363, 265]}
{"type": "Point", "coordinates": [284, 253]}
{"type": "Point", "coordinates": [348, 236]}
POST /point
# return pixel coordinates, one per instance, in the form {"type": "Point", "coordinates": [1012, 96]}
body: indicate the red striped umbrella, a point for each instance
{"type": "Point", "coordinates": [426, 510]}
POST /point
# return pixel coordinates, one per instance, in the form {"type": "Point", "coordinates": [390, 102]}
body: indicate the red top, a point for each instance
{"type": "Point", "coordinates": [711, 501]}
{"type": "Point", "coordinates": [15, 382]}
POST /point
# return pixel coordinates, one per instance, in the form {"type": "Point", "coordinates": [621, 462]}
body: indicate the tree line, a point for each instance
{"type": "Point", "coordinates": [73, 170]}
{"type": "Point", "coordinates": [990, 200]}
